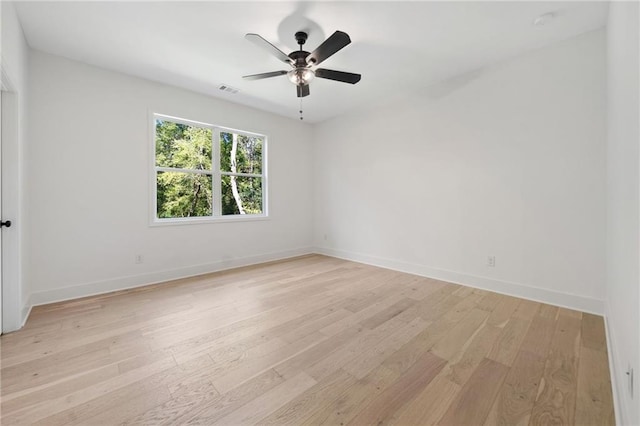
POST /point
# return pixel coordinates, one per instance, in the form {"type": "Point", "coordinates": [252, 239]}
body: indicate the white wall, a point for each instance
{"type": "Point", "coordinates": [14, 68]}
{"type": "Point", "coordinates": [623, 192]}
{"type": "Point", "coordinates": [89, 186]}
{"type": "Point", "coordinates": [507, 161]}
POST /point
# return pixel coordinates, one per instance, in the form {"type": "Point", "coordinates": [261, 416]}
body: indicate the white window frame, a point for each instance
{"type": "Point", "coordinates": [215, 172]}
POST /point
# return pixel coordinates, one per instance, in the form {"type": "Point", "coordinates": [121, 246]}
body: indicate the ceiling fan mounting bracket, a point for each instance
{"type": "Point", "coordinates": [301, 37]}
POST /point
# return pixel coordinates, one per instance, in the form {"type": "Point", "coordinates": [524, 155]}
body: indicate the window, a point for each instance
{"type": "Point", "coordinates": [205, 172]}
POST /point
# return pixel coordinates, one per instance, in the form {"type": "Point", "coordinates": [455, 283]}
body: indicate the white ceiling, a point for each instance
{"type": "Point", "coordinates": [398, 47]}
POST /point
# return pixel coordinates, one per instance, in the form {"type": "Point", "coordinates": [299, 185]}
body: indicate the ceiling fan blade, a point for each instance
{"type": "Point", "coordinates": [303, 90]}
{"type": "Point", "coordinates": [344, 77]}
{"type": "Point", "coordinates": [264, 75]}
{"type": "Point", "coordinates": [337, 41]}
{"type": "Point", "coordinates": [264, 44]}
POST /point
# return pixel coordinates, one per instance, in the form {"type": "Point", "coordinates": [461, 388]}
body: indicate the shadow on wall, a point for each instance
{"type": "Point", "coordinates": [450, 85]}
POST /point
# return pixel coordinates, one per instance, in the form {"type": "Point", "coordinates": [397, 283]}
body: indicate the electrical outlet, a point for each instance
{"type": "Point", "coordinates": [326, 237]}
{"type": "Point", "coordinates": [630, 380]}
{"type": "Point", "coordinates": [138, 258]}
{"type": "Point", "coordinates": [491, 261]}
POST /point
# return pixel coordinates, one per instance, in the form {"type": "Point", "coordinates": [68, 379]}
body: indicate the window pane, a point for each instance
{"type": "Point", "coordinates": [247, 156]}
{"type": "Point", "coordinates": [184, 195]}
{"type": "Point", "coordinates": [241, 195]}
{"type": "Point", "coordinates": [182, 146]}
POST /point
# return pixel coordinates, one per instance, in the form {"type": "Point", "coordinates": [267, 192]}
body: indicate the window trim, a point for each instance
{"type": "Point", "coordinates": [215, 172]}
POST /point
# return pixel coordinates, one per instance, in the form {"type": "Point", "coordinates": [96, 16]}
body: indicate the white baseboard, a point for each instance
{"type": "Point", "coordinates": [566, 300]}
{"type": "Point", "coordinates": [26, 310]}
{"type": "Point", "coordinates": [571, 301]}
{"type": "Point", "coordinates": [613, 370]}
{"type": "Point", "coordinates": [133, 281]}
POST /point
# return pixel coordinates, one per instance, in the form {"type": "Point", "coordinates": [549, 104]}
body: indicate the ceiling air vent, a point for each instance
{"type": "Point", "coordinates": [228, 89]}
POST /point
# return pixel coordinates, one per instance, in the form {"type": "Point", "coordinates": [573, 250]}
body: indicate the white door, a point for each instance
{"type": "Point", "coordinates": [1, 289]}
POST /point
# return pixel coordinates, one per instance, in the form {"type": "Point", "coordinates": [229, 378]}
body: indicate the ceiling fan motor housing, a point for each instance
{"type": "Point", "coordinates": [299, 58]}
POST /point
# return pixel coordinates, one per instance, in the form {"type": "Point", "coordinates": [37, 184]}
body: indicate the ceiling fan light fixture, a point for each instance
{"type": "Point", "coordinates": [300, 76]}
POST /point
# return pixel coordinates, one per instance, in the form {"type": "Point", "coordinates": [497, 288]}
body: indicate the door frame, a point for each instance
{"type": "Point", "coordinates": [14, 309]}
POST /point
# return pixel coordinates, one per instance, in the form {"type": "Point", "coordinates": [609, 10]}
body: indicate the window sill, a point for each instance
{"type": "Point", "coordinates": [205, 220]}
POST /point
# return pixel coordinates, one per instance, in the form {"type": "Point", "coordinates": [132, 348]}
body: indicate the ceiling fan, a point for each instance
{"type": "Point", "coordinates": [302, 62]}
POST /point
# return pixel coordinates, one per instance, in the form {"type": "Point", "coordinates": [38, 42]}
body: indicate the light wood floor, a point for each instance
{"type": "Point", "coordinates": [312, 340]}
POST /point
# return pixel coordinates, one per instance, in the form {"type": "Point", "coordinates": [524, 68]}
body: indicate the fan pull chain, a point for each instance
{"type": "Point", "coordinates": [301, 117]}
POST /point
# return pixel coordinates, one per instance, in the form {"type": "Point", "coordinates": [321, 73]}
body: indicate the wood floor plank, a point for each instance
{"type": "Point", "coordinates": [63, 387]}
{"type": "Point", "coordinates": [388, 313]}
{"type": "Point", "coordinates": [430, 405]}
{"type": "Point", "coordinates": [518, 393]}
{"type": "Point", "coordinates": [463, 291]}
{"type": "Point", "coordinates": [570, 313]}
{"type": "Point", "coordinates": [268, 402]}
{"type": "Point", "coordinates": [315, 325]}
{"type": "Point", "coordinates": [127, 407]}
{"type": "Point", "coordinates": [61, 364]}
{"type": "Point", "coordinates": [96, 400]}
{"type": "Point", "coordinates": [411, 351]}
{"type": "Point", "coordinates": [82, 397]}
{"type": "Point", "coordinates": [213, 409]}
{"type": "Point", "coordinates": [503, 311]}
{"type": "Point", "coordinates": [308, 340]}
{"type": "Point", "coordinates": [310, 401]}
{"type": "Point", "coordinates": [432, 309]}
{"type": "Point", "coordinates": [462, 365]}
{"type": "Point", "coordinates": [424, 287]}
{"type": "Point", "coordinates": [246, 369]}
{"type": "Point", "coordinates": [460, 334]}
{"type": "Point", "coordinates": [422, 308]}
{"type": "Point", "coordinates": [526, 310]}
{"type": "Point", "coordinates": [508, 344]}
{"type": "Point", "coordinates": [382, 408]}
{"type": "Point", "coordinates": [363, 364]}
{"type": "Point", "coordinates": [365, 342]}
{"type": "Point", "coordinates": [374, 294]}
{"type": "Point", "coordinates": [344, 406]}
{"type": "Point", "coordinates": [239, 334]}
{"type": "Point", "coordinates": [187, 386]}
{"type": "Point", "coordinates": [594, 399]}
{"type": "Point", "coordinates": [361, 315]}
{"type": "Point", "coordinates": [593, 334]}
{"type": "Point", "coordinates": [548, 311]}
{"type": "Point", "coordinates": [539, 335]}
{"type": "Point", "coordinates": [458, 310]}
{"type": "Point", "coordinates": [556, 400]}
{"type": "Point", "coordinates": [489, 302]}
{"type": "Point", "coordinates": [473, 403]}
{"type": "Point", "coordinates": [174, 411]}
{"type": "Point", "coordinates": [296, 364]}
